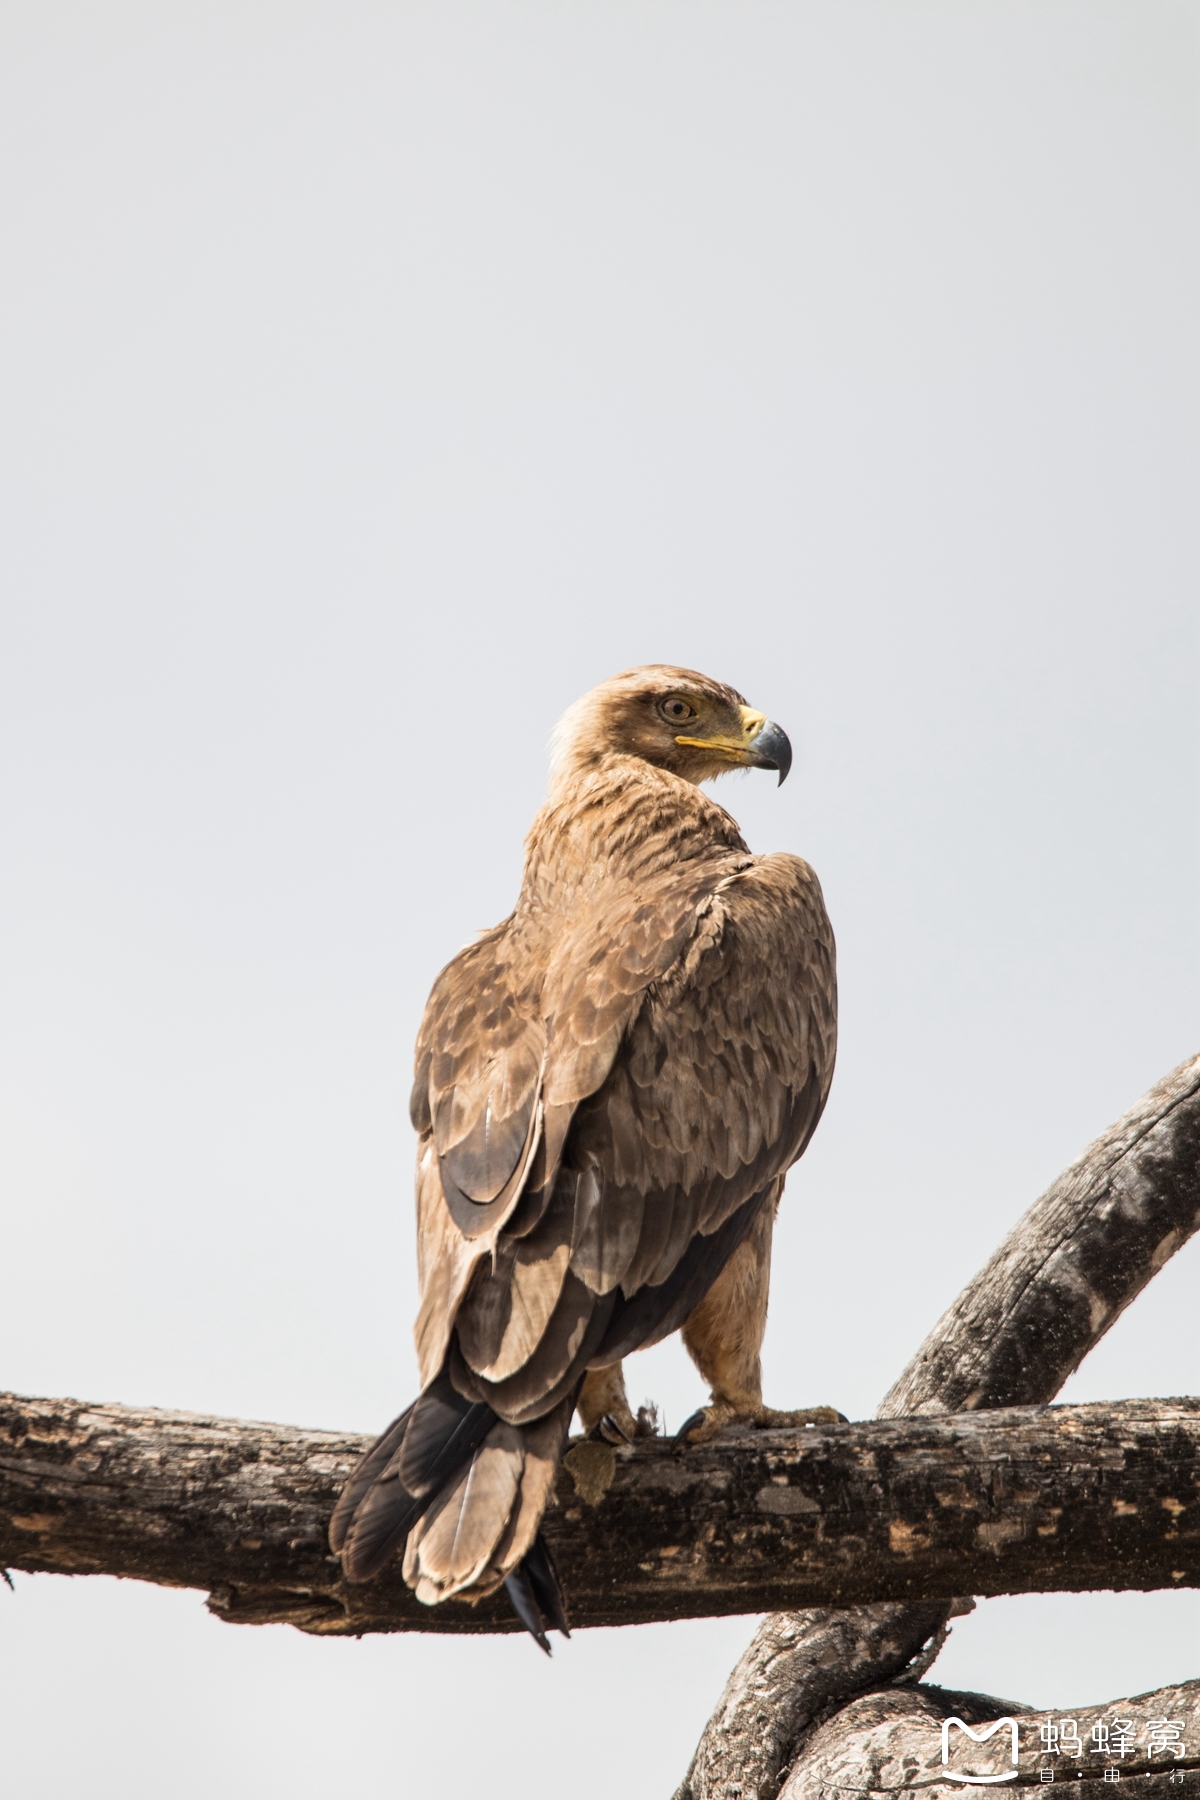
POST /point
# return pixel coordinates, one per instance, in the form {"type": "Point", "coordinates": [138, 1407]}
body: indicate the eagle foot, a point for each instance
{"type": "Point", "coordinates": [705, 1424]}
{"type": "Point", "coordinates": [620, 1426]}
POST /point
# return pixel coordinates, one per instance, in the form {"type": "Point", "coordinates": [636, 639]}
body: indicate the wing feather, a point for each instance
{"type": "Point", "coordinates": [556, 1367]}
{"type": "Point", "coordinates": [479, 1063]}
{"type": "Point", "coordinates": [657, 1215]}
{"type": "Point", "coordinates": [510, 1304]}
{"type": "Point", "coordinates": [605, 1238]}
{"type": "Point", "coordinates": [685, 1041]}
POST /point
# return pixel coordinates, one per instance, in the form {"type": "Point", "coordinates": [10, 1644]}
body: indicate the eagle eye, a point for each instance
{"type": "Point", "coordinates": [676, 710]}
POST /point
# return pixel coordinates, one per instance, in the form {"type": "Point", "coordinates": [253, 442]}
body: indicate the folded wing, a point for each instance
{"type": "Point", "coordinates": [608, 1125]}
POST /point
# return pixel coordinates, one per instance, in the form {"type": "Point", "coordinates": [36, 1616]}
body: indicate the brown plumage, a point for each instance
{"type": "Point", "coordinates": [609, 1089]}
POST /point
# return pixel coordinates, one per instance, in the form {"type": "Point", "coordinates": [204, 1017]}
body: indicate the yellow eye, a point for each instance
{"type": "Point", "coordinates": [677, 710]}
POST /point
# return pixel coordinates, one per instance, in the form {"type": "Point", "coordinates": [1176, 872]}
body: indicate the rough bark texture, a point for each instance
{"type": "Point", "coordinates": [797, 1671]}
{"type": "Point", "coordinates": [1074, 1262]}
{"type": "Point", "coordinates": [891, 1743]}
{"type": "Point", "coordinates": [1065, 1498]}
{"type": "Point", "coordinates": [242, 1509]}
{"type": "Point", "coordinates": [1071, 1266]}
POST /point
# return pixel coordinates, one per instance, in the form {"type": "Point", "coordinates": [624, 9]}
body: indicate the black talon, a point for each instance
{"type": "Point", "coordinates": [611, 1431]}
{"type": "Point", "coordinates": [697, 1418]}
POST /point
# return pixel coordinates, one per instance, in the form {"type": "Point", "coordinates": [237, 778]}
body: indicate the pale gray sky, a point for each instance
{"type": "Point", "coordinates": [376, 379]}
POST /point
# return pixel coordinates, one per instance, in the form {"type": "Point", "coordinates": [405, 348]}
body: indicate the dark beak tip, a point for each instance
{"type": "Point", "coordinates": [773, 748]}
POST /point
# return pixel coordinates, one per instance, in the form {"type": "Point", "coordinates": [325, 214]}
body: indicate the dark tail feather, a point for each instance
{"type": "Point", "coordinates": [362, 1475]}
{"type": "Point", "coordinates": [537, 1598]}
{"type": "Point", "coordinates": [519, 1589]}
{"type": "Point", "coordinates": [540, 1566]}
{"type": "Point", "coordinates": [402, 1474]}
{"type": "Point", "coordinates": [444, 1433]}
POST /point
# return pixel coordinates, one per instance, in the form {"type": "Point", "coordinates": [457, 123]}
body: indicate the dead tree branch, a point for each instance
{"type": "Point", "coordinates": [900, 1514]}
{"type": "Point", "coordinates": [1016, 1501]}
{"type": "Point", "coordinates": [890, 1743]}
{"type": "Point", "coordinates": [1073, 1263]}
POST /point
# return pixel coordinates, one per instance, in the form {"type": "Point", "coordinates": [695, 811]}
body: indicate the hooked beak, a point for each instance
{"type": "Point", "coordinates": [771, 749]}
{"type": "Point", "coordinates": [762, 745]}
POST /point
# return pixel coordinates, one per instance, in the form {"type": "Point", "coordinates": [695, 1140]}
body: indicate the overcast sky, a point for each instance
{"type": "Point", "coordinates": [377, 378]}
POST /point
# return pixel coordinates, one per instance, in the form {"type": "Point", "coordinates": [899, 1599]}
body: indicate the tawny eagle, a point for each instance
{"type": "Point", "coordinates": [610, 1087]}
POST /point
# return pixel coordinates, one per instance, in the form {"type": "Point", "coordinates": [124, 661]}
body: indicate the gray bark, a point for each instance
{"type": "Point", "coordinates": [1022, 1326]}
{"type": "Point", "coordinates": [1072, 1265]}
{"type": "Point", "coordinates": [1016, 1501]}
{"type": "Point", "coordinates": [242, 1509]}
{"type": "Point", "coordinates": [890, 1743]}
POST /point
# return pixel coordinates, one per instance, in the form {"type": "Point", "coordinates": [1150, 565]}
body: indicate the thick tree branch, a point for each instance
{"type": "Point", "coordinates": [1071, 1266]}
{"type": "Point", "coordinates": [1015, 1501]}
{"type": "Point", "coordinates": [891, 1743]}
{"type": "Point", "coordinates": [1074, 1262]}
{"type": "Point", "coordinates": [965, 1503]}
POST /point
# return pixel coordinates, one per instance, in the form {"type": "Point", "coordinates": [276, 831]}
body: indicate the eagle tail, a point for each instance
{"type": "Point", "coordinates": [468, 1492]}
{"type": "Point", "coordinates": [402, 1475]}
{"type": "Point", "coordinates": [536, 1597]}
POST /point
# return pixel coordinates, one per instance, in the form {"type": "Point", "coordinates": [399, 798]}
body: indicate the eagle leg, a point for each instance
{"type": "Point", "coordinates": [724, 1339]}
{"type": "Point", "coordinates": [604, 1409]}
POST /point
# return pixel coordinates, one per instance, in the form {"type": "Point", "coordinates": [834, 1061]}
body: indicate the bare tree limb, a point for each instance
{"type": "Point", "coordinates": [1074, 1262]}
{"type": "Point", "coordinates": [242, 1509]}
{"type": "Point", "coordinates": [1072, 1265]}
{"type": "Point", "coordinates": [796, 1672]}
{"type": "Point", "coordinates": [891, 1743]}
{"type": "Point", "coordinates": [1064, 1498]}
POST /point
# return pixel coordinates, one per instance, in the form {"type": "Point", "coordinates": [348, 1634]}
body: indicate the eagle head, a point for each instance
{"type": "Point", "coordinates": [674, 718]}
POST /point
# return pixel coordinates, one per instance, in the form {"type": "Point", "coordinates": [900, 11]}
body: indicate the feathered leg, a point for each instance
{"type": "Point", "coordinates": [604, 1409]}
{"type": "Point", "coordinates": [724, 1339]}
